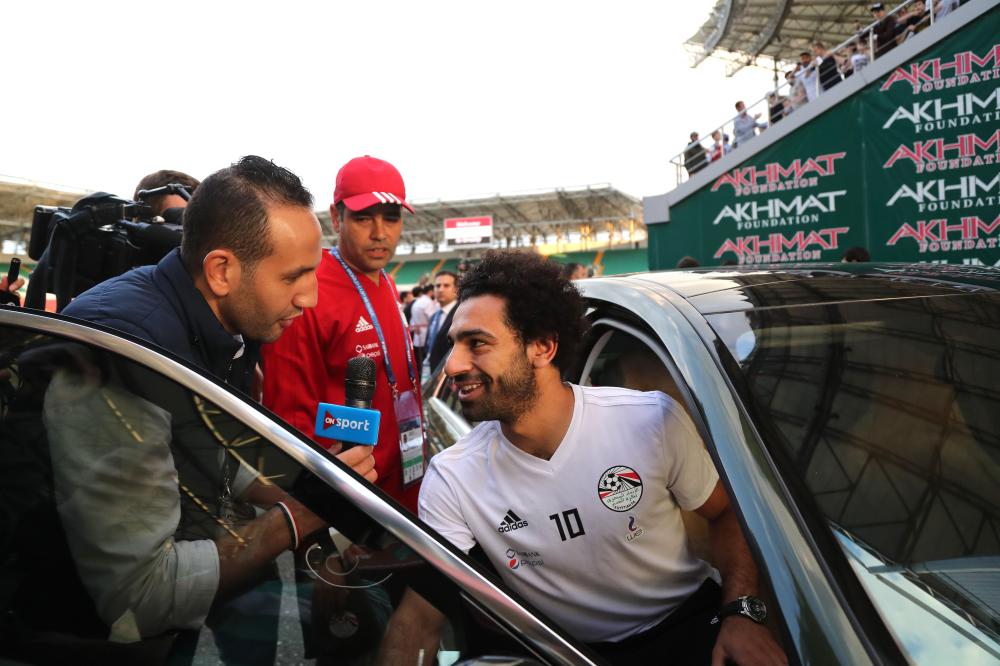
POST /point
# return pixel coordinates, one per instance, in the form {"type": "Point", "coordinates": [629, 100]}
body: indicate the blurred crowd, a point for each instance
{"type": "Point", "coordinates": [816, 72]}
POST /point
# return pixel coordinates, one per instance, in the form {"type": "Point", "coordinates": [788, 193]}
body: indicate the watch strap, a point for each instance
{"type": "Point", "coordinates": [741, 606]}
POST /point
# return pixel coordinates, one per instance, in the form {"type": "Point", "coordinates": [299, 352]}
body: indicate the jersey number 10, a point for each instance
{"type": "Point", "coordinates": [568, 523]}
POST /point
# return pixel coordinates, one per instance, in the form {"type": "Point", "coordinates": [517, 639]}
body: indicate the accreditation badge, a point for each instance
{"type": "Point", "coordinates": [411, 437]}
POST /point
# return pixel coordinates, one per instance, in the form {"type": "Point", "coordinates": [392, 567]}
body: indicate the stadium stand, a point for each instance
{"type": "Point", "coordinates": [775, 35]}
{"type": "Point", "coordinates": [624, 261]}
{"type": "Point", "coordinates": [899, 158]}
{"type": "Point", "coordinates": [409, 272]}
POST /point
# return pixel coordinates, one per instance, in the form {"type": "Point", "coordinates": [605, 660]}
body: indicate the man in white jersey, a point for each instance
{"type": "Point", "coordinates": [574, 493]}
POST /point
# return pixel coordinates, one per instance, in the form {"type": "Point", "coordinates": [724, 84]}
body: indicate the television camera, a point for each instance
{"type": "Point", "coordinates": [100, 237]}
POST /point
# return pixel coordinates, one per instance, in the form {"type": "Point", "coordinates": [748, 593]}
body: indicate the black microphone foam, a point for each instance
{"type": "Point", "coordinates": [359, 382]}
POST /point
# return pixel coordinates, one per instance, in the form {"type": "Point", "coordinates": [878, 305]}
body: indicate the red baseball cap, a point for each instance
{"type": "Point", "coordinates": [367, 181]}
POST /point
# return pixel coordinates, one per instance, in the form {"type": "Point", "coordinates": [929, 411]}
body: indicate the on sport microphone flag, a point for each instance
{"type": "Point", "coordinates": [356, 422]}
{"type": "Point", "coordinates": [347, 424]}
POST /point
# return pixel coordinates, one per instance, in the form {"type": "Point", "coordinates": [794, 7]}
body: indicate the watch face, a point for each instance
{"type": "Point", "coordinates": [755, 608]}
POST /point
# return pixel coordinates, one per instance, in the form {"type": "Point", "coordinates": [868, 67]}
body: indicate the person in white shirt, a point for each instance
{"type": "Point", "coordinates": [574, 493]}
{"type": "Point", "coordinates": [808, 74]}
{"type": "Point", "coordinates": [745, 126]}
{"type": "Point", "coordinates": [420, 316]}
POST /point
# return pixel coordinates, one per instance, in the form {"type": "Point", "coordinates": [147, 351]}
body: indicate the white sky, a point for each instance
{"type": "Point", "coordinates": [465, 98]}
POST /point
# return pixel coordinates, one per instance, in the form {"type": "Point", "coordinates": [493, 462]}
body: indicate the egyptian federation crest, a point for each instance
{"type": "Point", "coordinates": [619, 488]}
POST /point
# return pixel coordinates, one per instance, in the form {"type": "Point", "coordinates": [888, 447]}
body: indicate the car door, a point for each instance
{"type": "Point", "coordinates": [643, 340]}
{"type": "Point", "coordinates": [136, 495]}
{"type": "Point", "coordinates": [858, 443]}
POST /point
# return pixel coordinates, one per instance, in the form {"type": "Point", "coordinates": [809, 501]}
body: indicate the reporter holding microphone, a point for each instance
{"type": "Point", "coordinates": [245, 271]}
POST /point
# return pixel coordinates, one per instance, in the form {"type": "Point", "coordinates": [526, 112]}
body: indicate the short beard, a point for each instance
{"type": "Point", "coordinates": [509, 398]}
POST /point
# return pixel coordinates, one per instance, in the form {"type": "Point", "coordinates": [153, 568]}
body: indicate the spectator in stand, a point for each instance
{"type": "Point", "coordinates": [745, 126]}
{"type": "Point", "coordinates": [944, 7]}
{"type": "Point", "coordinates": [859, 56]}
{"type": "Point", "coordinates": [856, 254]}
{"type": "Point", "coordinates": [806, 73]}
{"type": "Point", "coordinates": [720, 146]}
{"type": "Point", "coordinates": [886, 30]}
{"type": "Point", "coordinates": [796, 91]}
{"type": "Point", "coordinates": [912, 20]}
{"type": "Point", "coordinates": [829, 72]}
{"type": "Point", "coordinates": [695, 155]}
{"type": "Point", "coordinates": [775, 107]}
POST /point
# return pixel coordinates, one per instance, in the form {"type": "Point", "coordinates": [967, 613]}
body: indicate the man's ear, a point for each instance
{"type": "Point", "coordinates": [541, 352]}
{"type": "Point", "coordinates": [222, 272]}
{"type": "Point", "coordinates": [335, 218]}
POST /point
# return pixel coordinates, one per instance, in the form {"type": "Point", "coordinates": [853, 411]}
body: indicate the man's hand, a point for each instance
{"type": "Point", "coordinates": [358, 458]}
{"type": "Point", "coordinates": [743, 642]}
{"type": "Point", "coordinates": [18, 283]}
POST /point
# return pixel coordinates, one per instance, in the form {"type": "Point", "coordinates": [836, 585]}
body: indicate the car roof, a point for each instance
{"type": "Point", "coordinates": [727, 289]}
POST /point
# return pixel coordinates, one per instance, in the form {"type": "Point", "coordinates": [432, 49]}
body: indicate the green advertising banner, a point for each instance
{"type": "Point", "coordinates": [933, 139]}
{"type": "Point", "coordinates": [908, 168]}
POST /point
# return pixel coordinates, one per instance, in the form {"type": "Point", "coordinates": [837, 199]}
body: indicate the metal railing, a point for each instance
{"type": "Point", "coordinates": [802, 85]}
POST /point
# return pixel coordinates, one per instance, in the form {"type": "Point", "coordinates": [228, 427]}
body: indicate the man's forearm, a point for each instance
{"type": "Point", "coordinates": [263, 494]}
{"type": "Point", "coordinates": [732, 557]}
{"type": "Point", "coordinates": [415, 628]}
{"type": "Point", "coordinates": [244, 554]}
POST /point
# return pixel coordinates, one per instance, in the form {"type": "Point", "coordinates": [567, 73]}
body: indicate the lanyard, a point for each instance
{"type": "Point", "coordinates": [410, 368]}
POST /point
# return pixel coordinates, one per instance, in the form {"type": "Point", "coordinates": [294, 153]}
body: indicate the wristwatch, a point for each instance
{"type": "Point", "coordinates": [751, 608]}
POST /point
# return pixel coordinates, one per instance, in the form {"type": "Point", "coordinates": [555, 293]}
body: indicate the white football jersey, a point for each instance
{"type": "Point", "coordinates": [592, 537]}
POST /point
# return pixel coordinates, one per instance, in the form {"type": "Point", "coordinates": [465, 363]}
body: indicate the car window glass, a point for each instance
{"type": "Point", "coordinates": [132, 529]}
{"type": "Point", "coordinates": [443, 412]}
{"type": "Point", "coordinates": [625, 360]}
{"type": "Point", "coordinates": [888, 414]}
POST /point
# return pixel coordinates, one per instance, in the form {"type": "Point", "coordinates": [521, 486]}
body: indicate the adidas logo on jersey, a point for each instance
{"type": "Point", "coordinates": [363, 325]}
{"type": "Point", "coordinates": [511, 522]}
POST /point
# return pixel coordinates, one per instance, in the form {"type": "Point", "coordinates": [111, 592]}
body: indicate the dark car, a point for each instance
{"type": "Point", "coordinates": [853, 412]}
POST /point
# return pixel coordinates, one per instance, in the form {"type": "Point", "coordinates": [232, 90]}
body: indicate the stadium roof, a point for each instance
{"type": "Point", "coordinates": [762, 32]}
{"type": "Point", "coordinates": [17, 205]}
{"type": "Point", "coordinates": [517, 218]}
{"type": "Point", "coordinates": [533, 215]}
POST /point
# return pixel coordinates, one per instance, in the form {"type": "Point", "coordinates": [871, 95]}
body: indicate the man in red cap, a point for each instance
{"type": "Point", "coordinates": [357, 315]}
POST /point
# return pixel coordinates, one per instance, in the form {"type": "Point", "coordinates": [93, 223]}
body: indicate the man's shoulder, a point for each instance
{"type": "Point", "coordinates": [131, 302]}
{"type": "Point", "coordinates": [336, 292]}
{"type": "Point", "coordinates": [615, 396]}
{"type": "Point", "coordinates": [467, 451]}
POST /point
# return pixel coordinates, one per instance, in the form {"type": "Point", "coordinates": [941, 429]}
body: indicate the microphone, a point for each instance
{"type": "Point", "coordinates": [359, 382]}
{"type": "Point", "coordinates": [354, 422]}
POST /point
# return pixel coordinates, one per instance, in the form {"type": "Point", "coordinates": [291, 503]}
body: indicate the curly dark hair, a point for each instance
{"type": "Point", "coordinates": [541, 304]}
